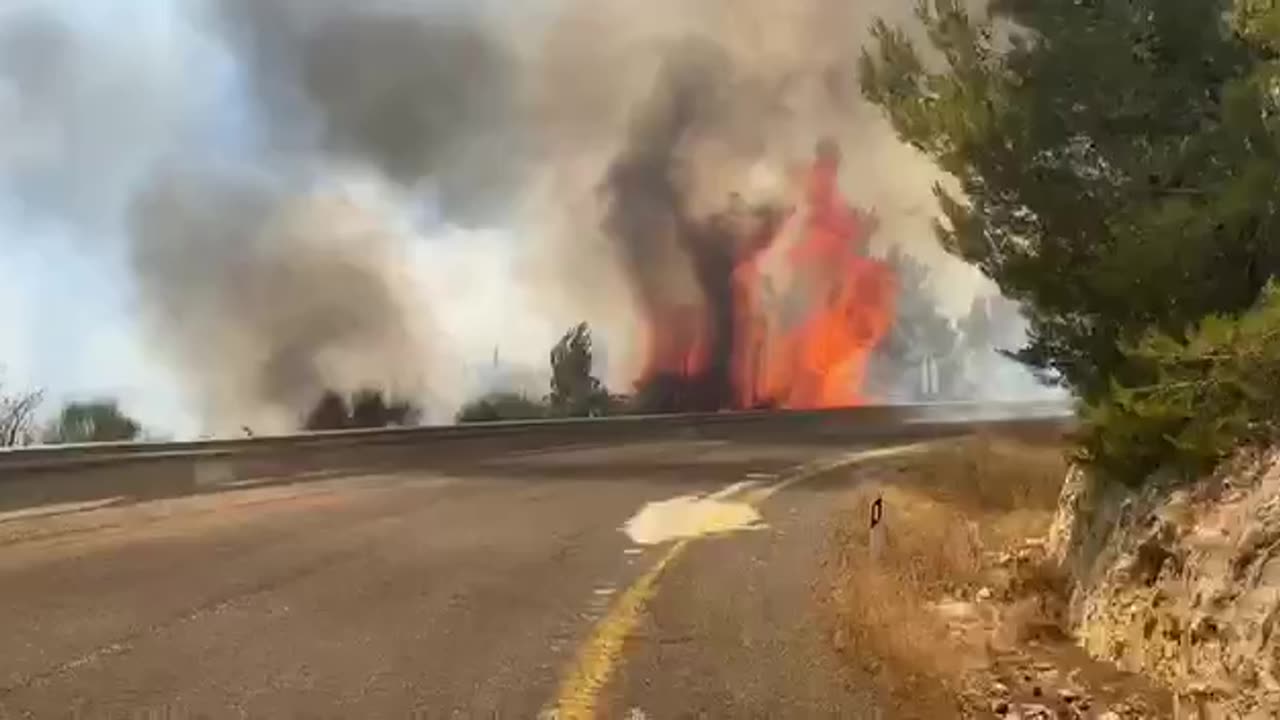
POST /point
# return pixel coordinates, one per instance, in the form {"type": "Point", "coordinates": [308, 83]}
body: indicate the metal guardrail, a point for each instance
{"type": "Point", "coordinates": [586, 429]}
{"type": "Point", "coordinates": [40, 476]}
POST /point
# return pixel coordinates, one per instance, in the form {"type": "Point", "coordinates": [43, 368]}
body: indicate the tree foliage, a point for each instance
{"type": "Point", "coordinates": [922, 337]}
{"type": "Point", "coordinates": [330, 413]}
{"type": "Point", "coordinates": [92, 421]}
{"type": "Point", "coordinates": [920, 327]}
{"type": "Point", "coordinates": [1215, 390]}
{"type": "Point", "coordinates": [1116, 162]}
{"type": "Point", "coordinates": [1116, 166]}
{"type": "Point", "coordinates": [372, 409]}
{"type": "Point", "coordinates": [366, 408]}
{"type": "Point", "coordinates": [575, 391]}
{"type": "Point", "coordinates": [18, 416]}
{"type": "Point", "coordinates": [498, 406]}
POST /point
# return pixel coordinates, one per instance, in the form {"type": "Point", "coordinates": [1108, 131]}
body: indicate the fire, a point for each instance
{"type": "Point", "coordinates": [679, 349]}
{"type": "Point", "coordinates": [805, 305]}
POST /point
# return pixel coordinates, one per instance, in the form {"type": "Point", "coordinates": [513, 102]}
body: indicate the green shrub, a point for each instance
{"type": "Point", "coordinates": [367, 408]}
{"type": "Point", "coordinates": [92, 421]}
{"type": "Point", "coordinates": [1215, 391]}
{"type": "Point", "coordinates": [501, 406]}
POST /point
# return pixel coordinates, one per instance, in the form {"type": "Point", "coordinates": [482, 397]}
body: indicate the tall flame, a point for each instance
{"type": "Point", "coordinates": [808, 306]}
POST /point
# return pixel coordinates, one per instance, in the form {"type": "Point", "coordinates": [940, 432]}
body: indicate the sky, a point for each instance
{"type": "Point", "coordinates": [72, 146]}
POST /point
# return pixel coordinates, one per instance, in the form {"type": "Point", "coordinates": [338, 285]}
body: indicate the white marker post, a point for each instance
{"type": "Point", "coordinates": [876, 529]}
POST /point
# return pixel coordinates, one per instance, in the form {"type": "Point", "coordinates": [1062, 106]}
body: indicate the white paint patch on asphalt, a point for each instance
{"type": "Point", "coordinates": [690, 516]}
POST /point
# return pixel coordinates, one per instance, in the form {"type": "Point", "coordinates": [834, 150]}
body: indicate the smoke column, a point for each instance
{"type": "Point", "coordinates": [270, 180]}
{"type": "Point", "coordinates": [703, 102]}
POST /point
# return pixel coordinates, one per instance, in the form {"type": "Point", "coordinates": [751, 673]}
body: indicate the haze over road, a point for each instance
{"type": "Point", "coordinates": [498, 587]}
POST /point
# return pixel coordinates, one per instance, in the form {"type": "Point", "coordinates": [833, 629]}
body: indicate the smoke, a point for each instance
{"type": "Point", "coordinates": [419, 91]}
{"type": "Point", "coordinates": [84, 111]}
{"type": "Point", "coordinates": [287, 185]}
{"type": "Point", "coordinates": [647, 208]}
{"type": "Point", "coordinates": [265, 298]}
{"type": "Point", "coordinates": [706, 107]}
{"type": "Point", "coordinates": [271, 281]}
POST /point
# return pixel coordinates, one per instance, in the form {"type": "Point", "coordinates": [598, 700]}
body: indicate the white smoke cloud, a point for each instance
{"type": "Point", "coordinates": [87, 104]}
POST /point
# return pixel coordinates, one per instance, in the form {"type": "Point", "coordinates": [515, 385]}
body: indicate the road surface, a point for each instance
{"type": "Point", "coordinates": [506, 586]}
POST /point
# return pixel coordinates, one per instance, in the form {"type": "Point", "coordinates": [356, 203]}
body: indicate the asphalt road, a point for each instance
{"type": "Point", "coordinates": [504, 586]}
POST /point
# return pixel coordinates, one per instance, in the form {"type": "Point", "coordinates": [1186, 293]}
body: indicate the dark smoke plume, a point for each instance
{"type": "Point", "coordinates": [647, 215]}
{"type": "Point", "coordinates": [679, 262]}
{"type": "Point", "coordinates": [415, 91]}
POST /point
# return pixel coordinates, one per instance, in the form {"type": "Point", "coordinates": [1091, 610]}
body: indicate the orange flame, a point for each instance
{"type": "Point", "coordinates": [809, 307]}
{"type": "Point", "coordinates": [819, 358]}
{"type": "Point", "coordinates": [679, 348]}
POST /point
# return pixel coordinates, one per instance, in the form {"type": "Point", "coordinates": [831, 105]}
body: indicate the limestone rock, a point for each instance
{"type": "Point", "coordinates": [1182, 583]}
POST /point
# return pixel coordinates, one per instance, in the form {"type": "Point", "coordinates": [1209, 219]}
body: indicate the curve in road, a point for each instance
{"type": "Point", "coordinates": [502, 586]}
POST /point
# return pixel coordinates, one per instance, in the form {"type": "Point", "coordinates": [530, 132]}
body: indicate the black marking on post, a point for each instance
{"type": "Point", "coordinates": [877, 512]}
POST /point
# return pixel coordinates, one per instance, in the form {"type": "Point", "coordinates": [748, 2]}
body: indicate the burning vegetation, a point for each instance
{"type": "Point", "coordinates": [748, 267]}
{"type": "Point", "coordinates": [788, 307]}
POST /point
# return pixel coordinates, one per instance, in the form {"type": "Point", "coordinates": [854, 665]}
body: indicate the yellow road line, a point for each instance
{"type": "Point", "coordinates": [597, 659]}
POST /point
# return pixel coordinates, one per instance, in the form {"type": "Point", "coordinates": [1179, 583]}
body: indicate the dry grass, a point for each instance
{"type": "Point", "coordinates": [887, 606]}
{"type": "Point", "coordinates": [885, 619]}
{"type": "Point", "coordinates": [947, 513]}
{"type": "Point", "coordinates": [991, 473]}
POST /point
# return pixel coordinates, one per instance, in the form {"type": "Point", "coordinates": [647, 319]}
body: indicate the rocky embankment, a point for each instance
{"type": "Point", "coordinates": [1181, 583]}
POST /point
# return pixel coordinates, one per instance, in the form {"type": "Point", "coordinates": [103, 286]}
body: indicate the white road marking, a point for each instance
{"type": "Point", "coordinates": [690, 516]}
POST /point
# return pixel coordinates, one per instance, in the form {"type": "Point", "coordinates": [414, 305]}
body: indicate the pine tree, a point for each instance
{"type": "Point", "coordinates": [1116, 162]}
{"type": "Point", "coordinates": [575, 392]}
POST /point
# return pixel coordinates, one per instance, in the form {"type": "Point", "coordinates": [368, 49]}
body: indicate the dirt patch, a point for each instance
{"type": "Point", "coordinates": [952, 603]}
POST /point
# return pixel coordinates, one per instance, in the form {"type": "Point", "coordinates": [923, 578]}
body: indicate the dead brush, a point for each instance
{"type": "Point", "coordinates": [946, 513]}
{"type": "Point", "coordinates": [932, 546]}
{"type": "Point", "coordinates": [990, 473]}
{"type": "Point", "coordinates": [1036, 597]}
{"type": "Point", "coordinates": [885, 605]}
